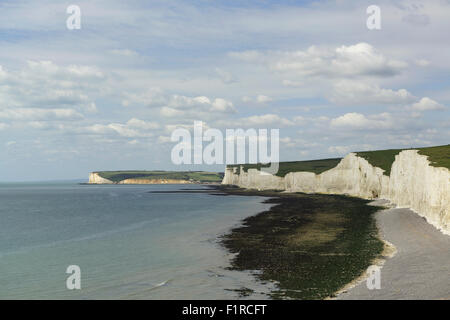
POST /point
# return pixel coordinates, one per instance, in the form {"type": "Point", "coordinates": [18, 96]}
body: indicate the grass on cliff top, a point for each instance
{"type": "Point", "coordinates": [200, 176]}
{"type": "Point", "coordinates": [316, 166]}
{"type": "Point", "coordinates": [381, 158]}
{"type": "Point", "coordinates": [439, 156]}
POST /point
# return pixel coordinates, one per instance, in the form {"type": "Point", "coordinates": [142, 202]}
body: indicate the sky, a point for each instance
{"type": "Point", "coordinates": [109, 95]}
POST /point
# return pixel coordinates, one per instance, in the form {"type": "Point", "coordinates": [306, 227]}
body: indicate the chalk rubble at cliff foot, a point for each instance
{"type": "Point", "coordinates": [412, 183]}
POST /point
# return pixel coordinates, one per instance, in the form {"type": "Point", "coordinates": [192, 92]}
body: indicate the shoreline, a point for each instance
{"type": "Point", "coordinates": [311, 253]}
{"type": "Point", "coordinates": [419, 267]}
{"type": "Point", "coordinates": [389, 251]}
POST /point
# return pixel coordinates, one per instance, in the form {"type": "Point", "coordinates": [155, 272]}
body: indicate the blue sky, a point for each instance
{"type": "Point", "coordinates": [108, 96]}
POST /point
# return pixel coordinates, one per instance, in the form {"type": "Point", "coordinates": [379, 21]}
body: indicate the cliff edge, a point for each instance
{"type": "Point", "coordinates": [412, 182]}
{"type": "Point", "coordinates": [95, 178]}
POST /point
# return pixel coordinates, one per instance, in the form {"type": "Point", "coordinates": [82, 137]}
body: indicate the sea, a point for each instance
{"type": "Point", "coordinates": [65, 240]}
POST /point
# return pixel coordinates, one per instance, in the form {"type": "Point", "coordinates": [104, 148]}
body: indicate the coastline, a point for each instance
{"type": "Point", "coordinates": [389, 251]}
{"type": "Point", "coordinates": [308, 247]}
{"type": "Point", "coordinates": [419, 267]}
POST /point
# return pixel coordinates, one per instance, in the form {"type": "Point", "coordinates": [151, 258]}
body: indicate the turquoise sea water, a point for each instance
{"type": "Point", "coordinates": [129, 243]}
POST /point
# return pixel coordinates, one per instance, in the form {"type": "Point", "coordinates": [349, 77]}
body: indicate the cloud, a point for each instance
{"type": "Point", "coordinates": [124, 52]}
{"type": "Point", "coordinates": [258, 99]}
{"type": "Point", "coordinates": [225, 76]}
{"type": "Point", "coordinates": [133, 128]}
{"type": "Point", "coordinates": [339, 150]}
{"type": "Point", "coordinates": [48, 68]}
{"type": "Point", "coordinates": [263, 99]}
{"type": "Point", "coordinates": [291, 83]}
{"type": "Point", "coordinates": [196, 108]}
{"type": "Point", "coordinates": [359, 60]}
{"type": "Point", "coordinates": [180, 107]}
{"type": "Point", "coordinates": [287, 141]}
{"type": "Point", "coordinates": [179, 101]}
{"type": "Point", "coordinates": [169, 112]}
{"type": "Point", "coordinates": [141, 124]}
{"type": "Point", "coordinates": [222, 105]}
{"type": "Point", "coordinates": [417, 19]}
{"type": "Point", "coordinates": [298, 61]}
{"type": "Point", "coordinates": [361, 93]}
{"type": "Point", "coordinates": [248, 56]}
{"type": "Point", "coordinates": [359, 121]}
{"type": "Point", "coordinates": [164, 139]}
{"type": "Point", "coordinates": [22, 114]}
{"type": "Point", "coordinates": [422, 62]}
{"type": "Point", "coordinates": [151, 97]}
{"type": "Point", "coordinates": [266, 120]}
{"type": "Point", "coordinates": [427, 104]}
{"type": "Point", "coordinates": [358, 92]}
{"type": "Point", "coordinates": [44, 85]}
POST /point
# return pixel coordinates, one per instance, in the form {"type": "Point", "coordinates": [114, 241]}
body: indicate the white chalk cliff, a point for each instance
{"type": "Point", "coordinates": [95, 178]}
{"type": "Point", "coordinates": [412, 183]}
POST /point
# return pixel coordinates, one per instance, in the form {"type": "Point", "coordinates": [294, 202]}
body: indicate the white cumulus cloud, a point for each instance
{"type": "Point", "coordinates": [427, 104]}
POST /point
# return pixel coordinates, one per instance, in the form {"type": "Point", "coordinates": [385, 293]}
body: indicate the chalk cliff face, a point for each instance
{"type": "Point", "coordinates": [412, 183]}
{"type": "Point", "coordinates": [95, 178]}
{"type": "Point", "coordinates": [425, 189]}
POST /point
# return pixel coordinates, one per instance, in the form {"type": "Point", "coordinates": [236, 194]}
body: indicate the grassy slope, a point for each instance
{"type": "Point", "coordinates": [381, 158]}
{"type": "Point", "coordinates": [439, 156]}
{"type": "Point", "coordinates": [316, 166]}
{"type": "Point", "coordinates": [201, 176]}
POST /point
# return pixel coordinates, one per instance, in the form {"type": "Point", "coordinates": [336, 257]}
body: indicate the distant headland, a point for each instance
{"type": "Point", "coordinates": [154, 177]}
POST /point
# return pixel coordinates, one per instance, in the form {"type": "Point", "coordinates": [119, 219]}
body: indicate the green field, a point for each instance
{"type": "Point", "coordinates": [316, 166]}
{"type": "Point", "coordinates": [439, 156]}
{"type": "Point", "coordinates": [197, 176]}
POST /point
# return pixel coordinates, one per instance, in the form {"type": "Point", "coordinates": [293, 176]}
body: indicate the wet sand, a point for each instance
{"type": "Point", "coordinates": [421, 267]}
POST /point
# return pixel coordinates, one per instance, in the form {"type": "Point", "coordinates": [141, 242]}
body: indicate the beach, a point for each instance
{"type": "Point", "coordinates": [311, 245]}
{"type": "Point", "coordinates": [420, 268]}
{"type": "Point", "coordinates": [412, 254]}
